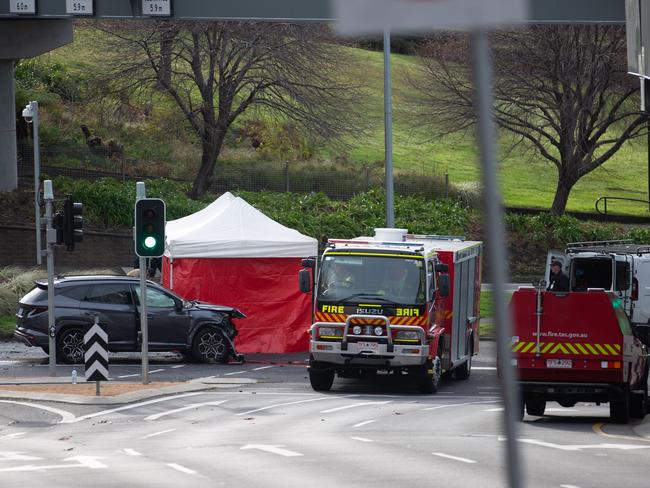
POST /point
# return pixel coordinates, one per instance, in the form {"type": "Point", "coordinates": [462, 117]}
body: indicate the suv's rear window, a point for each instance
{"type": "Point", "coordinates": [36, 295]}
{"type": "Point", "coordinates": [109, 293]}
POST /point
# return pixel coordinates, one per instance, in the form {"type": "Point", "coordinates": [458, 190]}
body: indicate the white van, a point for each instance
{"type": "Point", "coordinates": [616, 266]}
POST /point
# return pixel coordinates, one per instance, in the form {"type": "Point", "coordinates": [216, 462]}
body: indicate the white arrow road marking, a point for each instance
{"type": "Point", "coordinates": [354, 405]}
{"type": "Point", "coordinates": [66, 416]}
{"type": "Point", "coordinates": [579, 447]}
{"type": "Point", "coordinates": [181, 409]}
{"type": "Point", "coordinates": [460, 404]}
{"type": "Point", "coordinates": [157, 433]}
{"type": "Point", "coordinates": [16, 456]}
{"type": "Point", "coordinates": [132, 452]}
{"type": "Point", "coordinates": [14, 435]}
{"type": "Point", "coordinates": [129, 407]}
{"type": "Point", "coordinates": [271, 449]}
{"type": "Point", "coordinates": [284, 404]}
{"type": "Point", "coordinates": [88, 461]}
{"type": "Point", "coordinates": [180, 468]}
{"type": "Point", "coordinates": [454, 458]}
{"type": "Point", "coordinates": [83, 462]}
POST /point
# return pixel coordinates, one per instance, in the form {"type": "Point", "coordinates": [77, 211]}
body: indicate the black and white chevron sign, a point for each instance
{"type": "Point", "coordinates": [96, 356]}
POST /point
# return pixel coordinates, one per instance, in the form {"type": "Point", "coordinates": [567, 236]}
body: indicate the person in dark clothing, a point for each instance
{"type": "Point", "coordinates": [558, 280]}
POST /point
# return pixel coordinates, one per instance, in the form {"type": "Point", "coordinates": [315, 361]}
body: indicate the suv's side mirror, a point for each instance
{"type": "Point", "coordinates": [304, 280]}
{"type": "Point", "coordinates": [443, 284]}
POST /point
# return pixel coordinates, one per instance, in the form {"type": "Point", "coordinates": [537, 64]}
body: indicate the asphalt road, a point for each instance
{"type": "Point", "coordinates": [280, 433]}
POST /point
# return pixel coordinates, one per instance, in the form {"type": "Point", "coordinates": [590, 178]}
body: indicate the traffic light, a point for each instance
{"type": "Point", "coordinates": [149, 227]}
{"type": "Point", "coordinates": [73, 223]}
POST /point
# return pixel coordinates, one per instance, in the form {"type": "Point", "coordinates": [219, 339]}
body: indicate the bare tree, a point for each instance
{"type": "Point", "coordinates": [561, 89]}
{"type": "Point", "coordinates": [215, 71]}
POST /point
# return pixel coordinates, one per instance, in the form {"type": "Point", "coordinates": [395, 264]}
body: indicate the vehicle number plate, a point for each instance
{"type": "Point", "coordinates": [372, 347]}
{"type": "Point", "coordinates": [558, 363]}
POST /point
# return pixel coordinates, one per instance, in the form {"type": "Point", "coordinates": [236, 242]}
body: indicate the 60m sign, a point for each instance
{"type": "Point", "coordinates": [22, 6]}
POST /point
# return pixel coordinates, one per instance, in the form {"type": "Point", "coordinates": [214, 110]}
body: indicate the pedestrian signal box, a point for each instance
{"type": "Point", "coordinates": [150, 227]}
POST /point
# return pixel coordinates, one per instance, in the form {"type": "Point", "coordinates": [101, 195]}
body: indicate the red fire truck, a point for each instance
{"type": "Point", "coordinates": [578, 346]}
{"type": "Point", "coordinates": [396, 302]}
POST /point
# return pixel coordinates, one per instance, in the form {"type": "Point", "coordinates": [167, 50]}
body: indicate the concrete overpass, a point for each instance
{"type": "Point", "coordinates": [32, 27]}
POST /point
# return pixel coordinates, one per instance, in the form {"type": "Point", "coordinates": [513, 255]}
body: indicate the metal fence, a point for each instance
{"type": "Point", "coordinates": [254, 176]}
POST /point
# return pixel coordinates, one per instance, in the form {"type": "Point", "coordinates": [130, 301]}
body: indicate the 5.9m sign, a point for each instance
{"type": "Point", "coordinates": [157, 7]}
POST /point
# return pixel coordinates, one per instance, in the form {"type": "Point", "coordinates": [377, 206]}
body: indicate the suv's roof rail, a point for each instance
{"type": "Point", "coordinates": [623, 246]}
{"type": "Point", "coordinates": [617, 242]}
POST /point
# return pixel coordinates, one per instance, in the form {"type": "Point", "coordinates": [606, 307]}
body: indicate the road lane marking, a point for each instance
{"type": "Point", "coordinates": [16, 456]}
{"type": "Point", "coordinates": [180, 468]}
{"type": "Point", "coordinates": [182, 409]}
{"type": "Point", "coordinates": [285, 404]}
{"type": "Point", "coordinates": [235, 372]}
{"type": "Point", "coordinates": [498, 409]}
{"type": "Point", "coordinates": [365, 422]}
{"type": "Point", "coordinates": [178, 366]}
{"type": "Point", "coordinates": [132, 452]}
{"type": "Point", "coordinates": [579, 447]}
{"type": "Point", "coordinates": [261, 368]}
{"type": "Point", "coordinates": [354, 405]}
{"type": "Point", "coordinates": [569, 486]}
{"type": "Point", "coordinates": [436, 407]}
{"type": "Point", "coordinates": [272, 449]}
{"type": "Point", "coordinates": [454, 458]}
{"type": "Point", "coordinates": [362, 439]}
{"type": "Point", "coordinates": [157, 433]}
{"type": "Point", "coordinates": [129, 375]}
{"type": "Point", "coordinates": [67, 417]}
{"type": "Point", "coordinates": [156, 370]}
{"type": "Point", "coordinates": [82, 462]}
{"type": "Point", "coordinates": [129, 407]}
{"type": "Point", "coordinates": [484, 368]}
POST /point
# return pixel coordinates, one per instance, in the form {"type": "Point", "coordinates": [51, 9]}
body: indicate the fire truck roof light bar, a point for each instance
{"type": "Point", "coordinates": [375, 243]}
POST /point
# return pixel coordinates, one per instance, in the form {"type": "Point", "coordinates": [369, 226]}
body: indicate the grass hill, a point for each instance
{"type": "Point", "coordinates": [154, 134]}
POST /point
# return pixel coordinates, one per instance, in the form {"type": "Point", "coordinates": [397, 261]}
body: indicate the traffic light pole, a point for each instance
{"type": "Point", "coordinates": [48, 196]}
{"type": "Point", "coordinates": [144, 325]}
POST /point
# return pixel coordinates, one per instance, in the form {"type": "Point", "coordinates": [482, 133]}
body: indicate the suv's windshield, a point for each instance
{"type": "Point", "coordinates": [394, 279]}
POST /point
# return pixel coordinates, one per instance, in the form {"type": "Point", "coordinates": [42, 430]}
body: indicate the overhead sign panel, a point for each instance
{"type": "Point", "coordinates": [637, 13]}
{"type": "Point", "coordinates": [22, 6]}
{"type": "Point", "coordinates": [156, 8]}
{"type": "Point", "coordinates": [371, 16]}
{"type": "Point", "coordinates": [79, 7]}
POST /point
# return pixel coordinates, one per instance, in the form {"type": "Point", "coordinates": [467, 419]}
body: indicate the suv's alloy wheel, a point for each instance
{"type": "Point", "coordinates": [70, 346]}
{"type": "Point", "coordinates": [210, 346]}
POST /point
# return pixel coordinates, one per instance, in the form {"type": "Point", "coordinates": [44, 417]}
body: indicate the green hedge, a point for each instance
{"type": "Point", "coordinates": [109, 204]}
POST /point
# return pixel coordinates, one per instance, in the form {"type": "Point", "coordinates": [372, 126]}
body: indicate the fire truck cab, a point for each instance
{"type": "Point", "coordinates": [397, 303]}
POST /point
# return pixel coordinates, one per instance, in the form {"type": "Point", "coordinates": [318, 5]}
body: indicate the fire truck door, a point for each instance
{"type": "Point", "coordinates": [463, 306]}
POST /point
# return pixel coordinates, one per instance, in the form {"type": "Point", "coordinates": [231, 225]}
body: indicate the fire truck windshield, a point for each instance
{"type": "Point", "coordinates": [396, 279]}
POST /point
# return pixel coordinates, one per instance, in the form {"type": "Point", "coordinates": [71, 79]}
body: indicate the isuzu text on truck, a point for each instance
{"type": "Point", "coordinates": [580, 345]}
{"type": "Point", "coordinates": [400, 303]}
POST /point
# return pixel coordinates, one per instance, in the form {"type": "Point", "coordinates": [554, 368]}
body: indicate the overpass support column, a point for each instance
{"type": "Point", "coordinates": [8, 155]}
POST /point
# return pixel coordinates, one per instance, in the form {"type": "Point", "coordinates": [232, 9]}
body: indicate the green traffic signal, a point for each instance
{"type": "Point", "coordinates": [149, 227]}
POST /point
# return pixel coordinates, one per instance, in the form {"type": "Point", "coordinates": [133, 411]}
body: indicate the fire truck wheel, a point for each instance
{"type": "Point", "coordinates": [429, 383]}
{"type": "Point", "coordinates": [619, 410]}
{"type": "Point", "coordinates": [321, 380]}
{"type": "Point", "coordinates": [535, 407]}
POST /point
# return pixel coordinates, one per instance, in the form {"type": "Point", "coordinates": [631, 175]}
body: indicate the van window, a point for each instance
{"type": "Point", "coordinates": [622, 275]}
{"type": "Point", "coordinates": [591, 273]}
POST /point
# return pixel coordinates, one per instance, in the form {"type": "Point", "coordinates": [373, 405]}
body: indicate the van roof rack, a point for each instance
{"type": "Point", "coordinates": [622, 246]}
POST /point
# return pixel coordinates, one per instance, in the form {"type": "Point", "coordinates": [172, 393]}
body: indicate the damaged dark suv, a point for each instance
{"type": "Point", "coordinates": [203, 330]}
